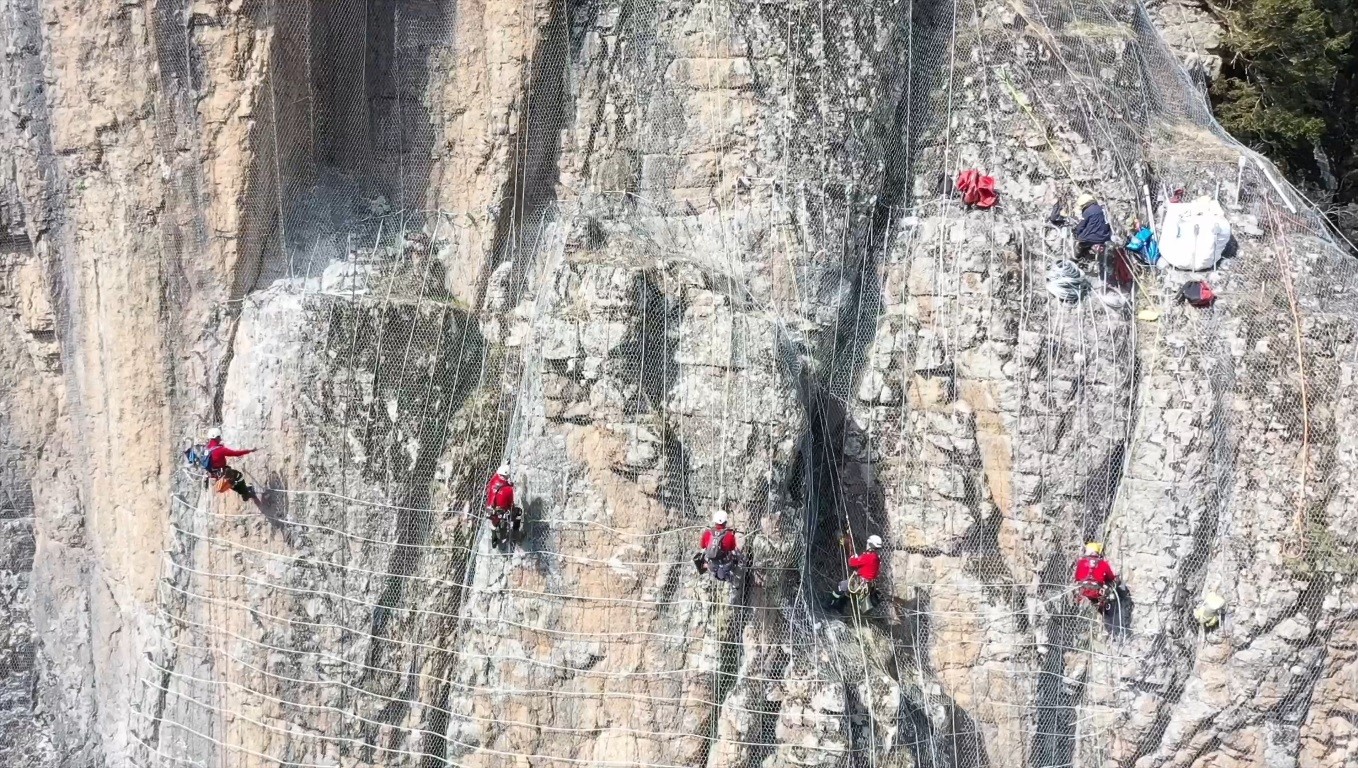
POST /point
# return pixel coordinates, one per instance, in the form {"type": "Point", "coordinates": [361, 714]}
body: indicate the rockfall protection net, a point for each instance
{"type": "Point", "coordinates": [781, 310]}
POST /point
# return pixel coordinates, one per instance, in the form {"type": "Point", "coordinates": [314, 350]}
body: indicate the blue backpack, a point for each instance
{"type": "Point", "coordinates": [199, 456]}
{"type": "Point", "coordinates": [1144, 245]}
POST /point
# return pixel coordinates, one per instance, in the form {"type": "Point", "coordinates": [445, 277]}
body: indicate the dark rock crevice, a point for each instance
{"type": "Point", "coordinates": [544, 110]}
{"type": "Point", "coordinates": [442, 347]}
{"type": "Point", "coordinates": [343, 121]}
{"type": "Point", "coordinates": [1057, 696]}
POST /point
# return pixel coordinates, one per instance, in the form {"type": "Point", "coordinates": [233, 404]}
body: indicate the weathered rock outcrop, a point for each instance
{"type": "Point", "coordinates": [1194, 35]}
{"type": "Point", "coordinates": [663, 259]}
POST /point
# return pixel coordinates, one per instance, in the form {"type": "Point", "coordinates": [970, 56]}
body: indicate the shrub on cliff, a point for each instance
{"type": "Point", "coordinates": [1287, 83]}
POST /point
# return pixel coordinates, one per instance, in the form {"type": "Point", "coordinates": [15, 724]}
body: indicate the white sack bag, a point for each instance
{"type": "Point", "coordinates": [1194, 235]}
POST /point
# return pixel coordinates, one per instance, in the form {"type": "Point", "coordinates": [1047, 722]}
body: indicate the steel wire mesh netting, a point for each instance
{"type": "Point", "coordinates": [789, 317]}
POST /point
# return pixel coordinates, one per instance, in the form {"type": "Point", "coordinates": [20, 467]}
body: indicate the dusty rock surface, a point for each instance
{"type": "Point", "coordinates": [1193, 33]}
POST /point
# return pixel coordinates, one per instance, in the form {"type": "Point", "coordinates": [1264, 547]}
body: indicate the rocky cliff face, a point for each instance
{"type": "Point", "coordinates": [663, 258]}
{"type": "Point", "coordinates": [1194, 35]}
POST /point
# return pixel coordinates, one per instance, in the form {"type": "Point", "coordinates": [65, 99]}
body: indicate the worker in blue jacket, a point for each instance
{"type": "Point", "coordinates": [1091, 232]}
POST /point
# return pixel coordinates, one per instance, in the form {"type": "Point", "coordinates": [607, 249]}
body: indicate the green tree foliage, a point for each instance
{"type": "Point", "coordinates": [1287, 82]}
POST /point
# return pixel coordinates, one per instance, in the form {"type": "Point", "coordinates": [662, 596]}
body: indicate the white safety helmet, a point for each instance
{"type": "Point", "coordinates": [215, 433]}
{"type": "Point", "coordinates": [719, 518]}
{"type": "Point", "coordinates": [1084, 201]}
{"type": "Point", "coordinates": [874, 542]}
{"type": "Point", "coordinates": [503, 471]}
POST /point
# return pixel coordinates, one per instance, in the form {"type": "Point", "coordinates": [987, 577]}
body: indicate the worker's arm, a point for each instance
{"type": "Point", "coordinates": [857, 561]}
{"type": "Point", "coordinates": [1093, 228]}
{"type": "Point", "coordinates": [232, 452]}
{"type": "Point", "coordinates": [1057, 217]}
{"type": "Point", "coordinates": [728, 542]}
{"type": "Point", "coordinates": [1085, 228]}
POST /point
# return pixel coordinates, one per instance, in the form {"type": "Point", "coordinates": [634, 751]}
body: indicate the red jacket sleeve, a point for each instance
{"type": "Point", "coordinates": [728, 542]}
{"type": "Point", "coordinates": [706, 540]}
{"type": "Point", "coordinates": [231, 452]}
{"type": "Point", "coordinates": [218, 454]}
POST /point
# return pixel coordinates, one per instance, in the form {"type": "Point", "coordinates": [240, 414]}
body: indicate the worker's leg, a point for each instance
{"type": "Point", "coordinates": [721, 571]}
{"type": "Point", "coordinates": [1083, 251]}
{"type": "Point", "coordinates": [737, 565]}
{"type": "Point", "coordinates": [1101, 258]}
{"type": "Point", "coordinates": [505, 526]}
{"type": "Point", "coordinates": [839, 598]}
{"type": "Point", "coordinates": [238, 483]}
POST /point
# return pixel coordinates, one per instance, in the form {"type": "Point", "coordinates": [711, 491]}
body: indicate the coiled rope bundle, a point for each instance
{"type": "Point", "coordinates": [1065, 281]}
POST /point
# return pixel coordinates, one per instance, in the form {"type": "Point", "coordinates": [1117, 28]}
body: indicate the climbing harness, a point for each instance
{"type": "Point", "coordinates": [858, 586]}
{"type": "Point", "coordinates": [1101, 602]}
{"type": "Point", "coordinates": [506, 525]}
{"type": "Point", "coordinates": [861, 594]}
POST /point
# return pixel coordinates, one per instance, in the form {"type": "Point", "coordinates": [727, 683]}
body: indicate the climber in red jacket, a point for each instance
{"type": "Point", "coordinates": [500, 490]}
{"type": "Point", "coordinates": [718, 552]}
{"type": "Point", "coordinates": [217, 453]}
{"type": "Point", "coordinates": [1095, 576]}
{"type": "Point", "coordinates": [866, 567]}
{"type": "Point", "coordinates": [500, 507]}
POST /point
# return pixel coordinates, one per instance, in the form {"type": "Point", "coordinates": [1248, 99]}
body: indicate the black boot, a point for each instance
{"type": "Point", "coordinates": [836, 602]}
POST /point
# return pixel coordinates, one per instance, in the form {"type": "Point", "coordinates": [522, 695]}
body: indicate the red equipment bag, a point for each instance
{"type": "Point", "coordinates": [1199, 294]}
{"type": "Point", "coordinates": [977, 191]}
